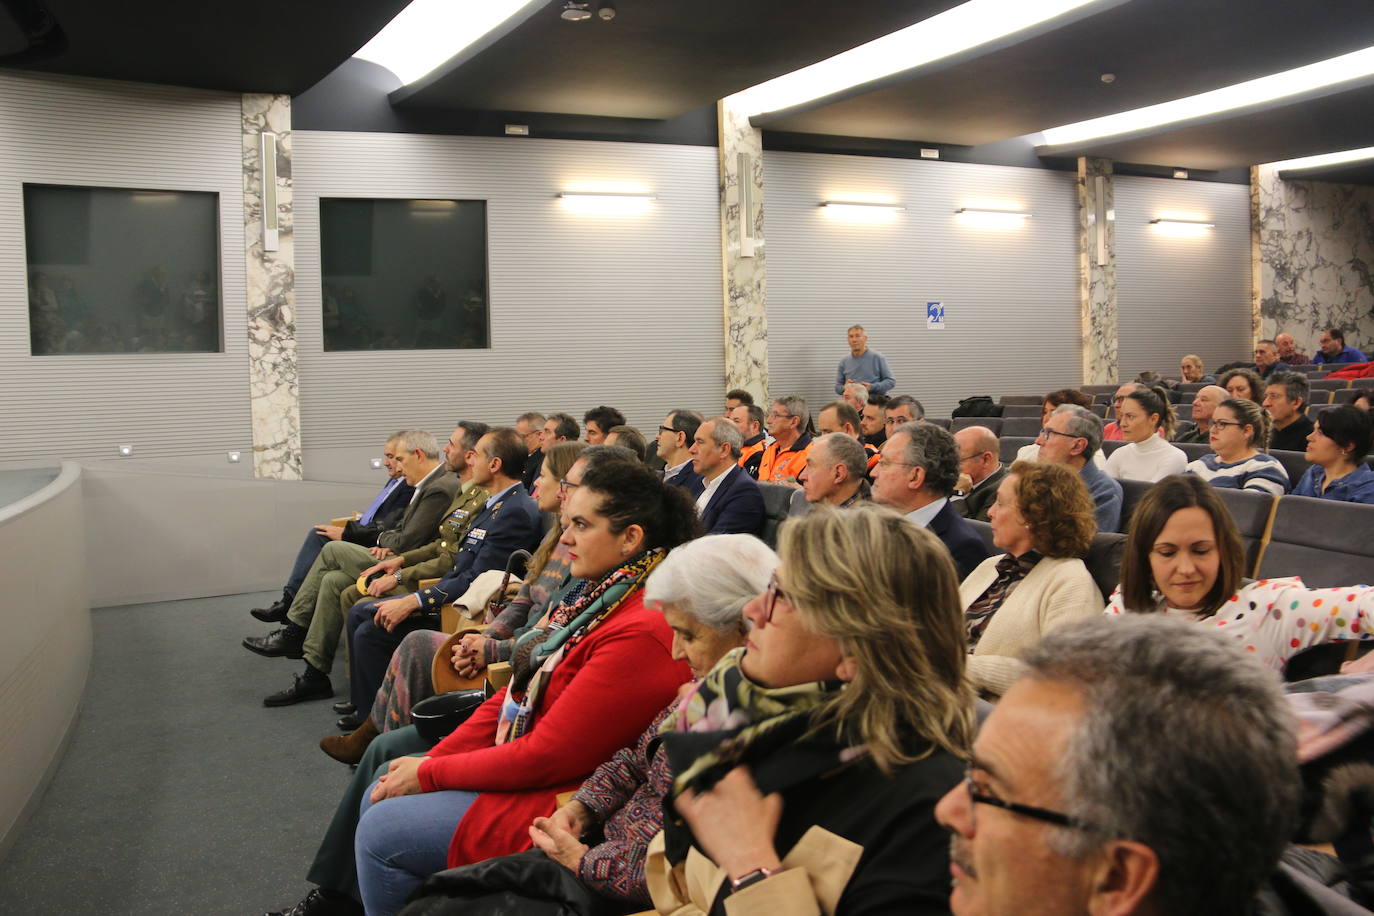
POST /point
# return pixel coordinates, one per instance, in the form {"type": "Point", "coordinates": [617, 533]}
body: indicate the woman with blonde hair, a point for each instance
{"type": "Point", "coordinates": [841, 721]}
{"type": "Point", "coordinates": [1044, 522]}
{"type": "Point", "coordinates": [1239, 436]}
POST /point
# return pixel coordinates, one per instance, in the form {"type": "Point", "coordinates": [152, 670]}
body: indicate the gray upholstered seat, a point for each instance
{"type": "Point", "coordinates": [1327, 542]}
{"type": "Point", "coordinates": [1021, 426]}
{"type": "Point", "coordinates": [992, 423]}
{"type": "Point", "coordinates": [777, 505]}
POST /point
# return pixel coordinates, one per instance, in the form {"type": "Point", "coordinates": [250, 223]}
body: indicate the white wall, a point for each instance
{"type": "Point", "coordinates": [585, 310]}
{"type": "Point", "coordinates": [1011, 295]}
{"type": "Point", "coordinates": [1180, 294]}
{"type": "Point", "coordinates": [62, 130]}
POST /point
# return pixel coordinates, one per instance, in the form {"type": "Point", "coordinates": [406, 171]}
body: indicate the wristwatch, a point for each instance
{"type": "Point", "coordinates": [753, 877]}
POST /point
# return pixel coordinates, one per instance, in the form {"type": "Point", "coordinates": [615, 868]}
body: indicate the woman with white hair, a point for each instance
{"type": "Point", "coordinates": [701, 588]}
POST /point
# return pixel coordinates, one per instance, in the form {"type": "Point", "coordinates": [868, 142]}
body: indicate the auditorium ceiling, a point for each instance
{"type": "Point", "coordinates": [659, 59]}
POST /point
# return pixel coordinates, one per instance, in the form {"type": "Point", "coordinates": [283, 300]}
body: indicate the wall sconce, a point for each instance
{"type": "Point", "coordinates": [858, 211]}
{"type": "Point", "coordinates": [992, 218]}
{"type": "Point", "coordinates": [1182, 228]}
{"type": "Point", "coordinates": [234, 457]}
{"type": "Point", "coordinates": [606, 203]}
{"type": "Point", "coordinates": [125, 451]}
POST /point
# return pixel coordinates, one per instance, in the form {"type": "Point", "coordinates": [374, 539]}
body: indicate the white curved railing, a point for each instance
{"type": "Point", "coordinates": [45, 639]}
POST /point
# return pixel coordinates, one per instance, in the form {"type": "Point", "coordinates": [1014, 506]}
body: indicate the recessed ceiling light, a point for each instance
{"type": "Point", "coordinates": [576, 11]}
{"type": "Point", "coordinates": [966, 26]}
{"type": "Point", "coordinates": [1310, 78]}
{"type": "Point", "coordinates": [428, 33]}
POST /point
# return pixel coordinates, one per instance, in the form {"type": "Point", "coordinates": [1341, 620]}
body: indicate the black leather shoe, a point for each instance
{"type": "Point", "coordinates": [302, 688]}
{"type": "Point", "coordinates": [344, 707]}
{"type": "Point", "coordinates": [277, 612]}
{"type": "Point", "coordinates": [349, 722]}
{"type": "Point", "coordinates": [288, 641]}
{"type": "Point", "coordinates": [316, 903]}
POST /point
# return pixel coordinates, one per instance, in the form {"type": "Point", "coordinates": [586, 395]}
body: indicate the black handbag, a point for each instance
{"type": "Point", "coordinates": [524, 884]}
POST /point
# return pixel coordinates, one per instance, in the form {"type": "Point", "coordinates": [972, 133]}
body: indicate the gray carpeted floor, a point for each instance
{"type": "Point", "coordinates": [180, 793]}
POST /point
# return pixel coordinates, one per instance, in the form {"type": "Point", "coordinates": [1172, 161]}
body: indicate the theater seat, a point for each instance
{"type": "Point", "coordinates": [1022, 410]}
{"type": "Point", "coordinates": [1131, 493]}
{"type": "Point", "coordinates": [984, 530]}
{"type": "Point", "coordinates": [1324, 541]}
{"type": "Point", "coordinates": [1036, 399]}
{"type": "Point", "coordinates": [777, 504]}
{"type": "Point", "coordinates": [992, 423]}
{"type": "Point", "coordinates": [1295, 463]}
{"type": "Point", "coordinates": [1111, 445]}
{"type": "Point", "coordinates": [1009, 445]}
{"type": "Point", "coordinates": [942, 422]}
{"type": "Point", "coordinates": [1194, 450]}
{"type": "Point", "coordinates": [1251, 511]}
{"type": "Point", "coordinates": [1104, 561]}
{"type": "Point", "coordinates": [1021, 426]}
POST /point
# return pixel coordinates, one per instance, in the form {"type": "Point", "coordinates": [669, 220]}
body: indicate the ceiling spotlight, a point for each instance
{"type": "Point", "coordinates": [576, 10]}
{"type": "Point", "coordinates": [606, 11]}
{"type": "Point", "coordinates": [1108, 78]}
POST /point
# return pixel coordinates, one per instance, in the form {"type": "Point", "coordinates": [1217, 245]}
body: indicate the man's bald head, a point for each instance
{"type": "Point", "coordinates": [1206, 401]}
{"type": "Point", "coordinates": [978, 448]}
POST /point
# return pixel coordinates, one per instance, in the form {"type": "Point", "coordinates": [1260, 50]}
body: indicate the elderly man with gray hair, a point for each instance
{"type": "Point", "coordinates": [1205, 402]}
{"type": "Point", "coordinates": [915, 475]}
{"type": "Point", "coordinates": [729, 501]}
{"type": "Point", "coordinates": [1142, 765]}
{"type": "Point", "coordinates": [980, 471]}
{"type": "Point", "coordinates": [1072, 436]}
{"type": "Point", "coordinates": [856, 396]}
{"type": "Point", "coordinates": [835, 472]}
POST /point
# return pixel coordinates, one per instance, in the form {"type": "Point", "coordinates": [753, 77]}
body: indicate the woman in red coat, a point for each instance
{"type": "Point", "coordinates": [600, 677]}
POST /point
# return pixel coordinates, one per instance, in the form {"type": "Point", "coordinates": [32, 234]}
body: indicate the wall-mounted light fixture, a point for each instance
{"type": "Point", "coordinates": [606, 203]}
{"type": "Point", "coordinates": [375, 463]}
{"type": "Point", "coordinates": [125, 451]}
{"type": "Point", "coordinates": [861, 211]}
{"type": "Point", "coordinates": [1184, 228]}
{"type": "Point", "coordinates": [993, 217]}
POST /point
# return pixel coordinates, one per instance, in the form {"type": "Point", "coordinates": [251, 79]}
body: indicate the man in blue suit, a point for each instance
{"type": "Point", "coordinates": [675, 437]}
{"type": "Point", "coordinates": [510, 521]}
{"type": "Point", "coordinates": [729, 501]}
{"type": "Point", "coordinates": [915, 475]}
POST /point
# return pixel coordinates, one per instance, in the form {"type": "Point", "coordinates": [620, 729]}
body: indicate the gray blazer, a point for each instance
{"type": "Point", "coordinates": [424, 513]}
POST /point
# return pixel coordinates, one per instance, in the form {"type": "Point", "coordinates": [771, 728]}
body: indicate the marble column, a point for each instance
{"type": "Point", "coordinates": [1097, 270]}
{"type": "Point", "coordinates": [273, 391]}
{"type": "Point", "coordinates": [1312, 245]}
{"type": "Point", "coordinates": [744, 271]}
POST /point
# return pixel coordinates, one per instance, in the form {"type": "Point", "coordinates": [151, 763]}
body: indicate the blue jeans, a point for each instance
{"type": "Point", "coordinates": [401, 841]}
{"type": "Point", "coordinates": [310, 549]}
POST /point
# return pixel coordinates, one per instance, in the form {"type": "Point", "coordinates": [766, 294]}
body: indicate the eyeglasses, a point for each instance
{"type": "Point", "coordinates": [1039, 814]}
{"type": "Point", "coordinates": [565, 485]}
{"type": "Point", "coordinates": [1222, 424]}
{"type": "Point", "coordinates": [973, 456]}
{"type": "Point", "coordinates": [668, 429]}
{"type": "Point", "coordinates": [1046, 432]}
{"type": "Point", "coordinates": [886, 462]}
{"type": "Point", "coordinates": [773, 593]}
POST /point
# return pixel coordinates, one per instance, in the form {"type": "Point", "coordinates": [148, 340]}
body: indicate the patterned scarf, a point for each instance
{"type": "Point", "coordinates": [585, 607]}
{"type": "Point", "coordinates": [1010, 571]}
{"type": "Point", "coordinates": [728, 720]}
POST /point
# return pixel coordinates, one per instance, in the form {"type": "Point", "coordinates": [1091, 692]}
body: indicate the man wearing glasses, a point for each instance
{"type": "Point", "coordinates": [980, 471]}
{"type": "Point", "coordinates": [675, 436]}
{"type": "Point", "coordinates": [1072, 436]}
{"type": "Point", "coordinates": [1142, 765]}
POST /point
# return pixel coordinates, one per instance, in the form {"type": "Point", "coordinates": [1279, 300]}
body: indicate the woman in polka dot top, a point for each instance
{"type": "Point", "coordinates": [1184, 557]}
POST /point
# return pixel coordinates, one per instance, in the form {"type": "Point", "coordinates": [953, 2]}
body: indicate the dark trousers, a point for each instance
{"type": "Point", "coordinates": [310, 549]}
{"type": "Point", "coordinates": [370, 648]}
{"type": "Point", "coordinates": [335, 867]}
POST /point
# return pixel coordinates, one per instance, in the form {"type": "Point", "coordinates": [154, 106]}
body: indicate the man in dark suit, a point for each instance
{"type": "Point", "coordinates": [675, 437]}
{"type": "Point", "coordinates": [385, 512]}
{"type": "Point", "coordinates": [530, 427]}
{"type": "Point", "coordinates": [729, 501]}
{"type": "Point", "coordinates": [510, 521]}
{"type": "Point", "coordinates": [915, 475]}
{"type": "Point", "coordinates": [979, 463]}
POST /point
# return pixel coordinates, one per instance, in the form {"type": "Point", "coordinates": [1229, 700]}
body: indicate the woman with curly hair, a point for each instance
{"type": "Point", "coordinates": [1043, 520]}
{"type": "Point", "coordinates": [1243, 383]}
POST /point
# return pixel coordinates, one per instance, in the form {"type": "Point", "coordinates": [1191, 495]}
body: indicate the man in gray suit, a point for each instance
{"type": "Point", "coordinates": [435, 486]}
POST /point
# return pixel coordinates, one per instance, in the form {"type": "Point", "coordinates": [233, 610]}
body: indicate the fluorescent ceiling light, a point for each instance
{"type": "Point", "coordinates": [859, 211]}
{"type": "Point", "coordinates": [1336, 70]}
{"type": "Point", "coordinates": [868, 205]}
{"type": "Point", "coordinates": [1181, 228]}
{"type": "Point", "coordinates": [428, 33]}
{"type": "Point", "coordinates": [1164, 220]}
{"type": "Point", "coordinates": [1323, 159]}
{"type": "Point", "coordinates": [995, 211]}
{"type": "Point", "coordinates": [954, 31]}
{"type": "Point", "coordinates": [992, 217]}
{"type": "Point", "coordinates": [606, 203]}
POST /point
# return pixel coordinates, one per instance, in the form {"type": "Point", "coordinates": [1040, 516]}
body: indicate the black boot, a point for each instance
{"type": "Point", "coordinates": [288, 641]}
{"type": "Point", "coordinates": [312, 685]}
{"type": "Point", "coordinates": [277, 612]}
{"type": "Point", "coordinates": [321, 902]}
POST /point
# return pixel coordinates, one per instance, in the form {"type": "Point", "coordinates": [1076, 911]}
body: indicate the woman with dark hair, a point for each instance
{"type": "Point", "coordinates": [1336, 447]}
{"type": "Point", "coordinates": [1239, 434]}
{"type": "Point", "coordinates": [1044, 522]}
{"type": "Point", "coordinates": [1183, 557]}
{"type": "Point", "coordinates": [1243, 383]}
{"type": "Point", "coordinates": [1364, 399]}
{"type": "Point", "coordinates": [475, 793]}
{"type": "Point", "coordinates": [1146, 455]}
{"type": "Point", "coordinates": [806, 767]}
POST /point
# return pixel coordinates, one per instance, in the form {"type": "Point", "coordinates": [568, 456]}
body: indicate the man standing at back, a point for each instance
{"type": "Point", "coordinates": [864, 366]}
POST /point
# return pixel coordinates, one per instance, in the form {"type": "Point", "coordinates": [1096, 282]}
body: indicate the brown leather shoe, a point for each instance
{"type": "Point", "coordinates": [350, 748]}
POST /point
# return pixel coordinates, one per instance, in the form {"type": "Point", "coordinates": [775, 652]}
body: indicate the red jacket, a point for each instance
{"type": "Point", "coordinates": [625, 675]}
{"type": "Point", "coordinates": [1353, 370]}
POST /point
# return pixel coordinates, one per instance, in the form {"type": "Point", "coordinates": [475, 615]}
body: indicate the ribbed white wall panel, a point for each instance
{"type": "Point", "coordinates": [585, 310]}
{"type": "Point", "coordinates": [1010, 296]}
{"type": "Point", "coordinates": [1176, 294]}
{"type": "Point", "coordinates": [59, 130]}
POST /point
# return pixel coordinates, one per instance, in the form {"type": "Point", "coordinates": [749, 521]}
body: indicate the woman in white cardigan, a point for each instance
{"type": "Point", "coordinates": [1043, 519]}
{"type": "Point", "coordinates": [1147, 422]}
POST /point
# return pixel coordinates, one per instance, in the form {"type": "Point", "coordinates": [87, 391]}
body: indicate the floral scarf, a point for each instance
{"type": "Point", "coordinates": [585, 607]}
{"type": "Point", "coordinates": [729, 720]}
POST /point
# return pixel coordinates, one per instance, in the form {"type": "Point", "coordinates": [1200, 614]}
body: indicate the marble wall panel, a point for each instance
{"type": "Point", "coordinates": [1097, 271]}
{"type": "Point", "coordinates": [744, 272]}
{"type": "Point", "coordinates": [273, 388]}
{"type": "Point", "coordinates": [1313, 253]}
